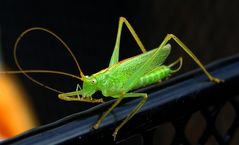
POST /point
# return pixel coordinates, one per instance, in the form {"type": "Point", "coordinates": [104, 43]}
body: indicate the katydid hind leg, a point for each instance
{"type": "Point", "coordinates": [115, 56]}
{"type": "Point", "coordinates": [190, 53]}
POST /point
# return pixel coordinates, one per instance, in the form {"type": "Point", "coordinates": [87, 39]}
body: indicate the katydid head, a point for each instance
{"type": "Point", "coordinates": [89, 86]}
{"type": "Point", "coordinates": [84, 94]}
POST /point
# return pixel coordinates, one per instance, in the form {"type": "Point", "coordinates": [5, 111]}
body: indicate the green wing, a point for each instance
{"type": "Point", "coordinates": [123, 70]}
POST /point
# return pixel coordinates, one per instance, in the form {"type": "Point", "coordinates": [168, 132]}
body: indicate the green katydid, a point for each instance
{"type": "Point", "coordinates": [121, 77]}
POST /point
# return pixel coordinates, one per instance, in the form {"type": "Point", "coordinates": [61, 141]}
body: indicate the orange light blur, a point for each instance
{"type": "Point", "coordinates": [15, 113]}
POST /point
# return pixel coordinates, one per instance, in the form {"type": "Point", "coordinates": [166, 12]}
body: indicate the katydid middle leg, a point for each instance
{"type": "Point", "coordinates": [97, 124]}
{"type": "Point", "coordinates": [129, 116]}
{"type": "Point", "coordinates": [133, 112]}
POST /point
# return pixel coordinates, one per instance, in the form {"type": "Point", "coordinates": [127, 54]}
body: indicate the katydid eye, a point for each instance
{"type": "Point", "coordinates": [93, 81]}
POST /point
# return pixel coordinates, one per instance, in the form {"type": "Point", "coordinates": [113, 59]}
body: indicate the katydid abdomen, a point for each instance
{"type": "Point", "coordinates": [154, 76]}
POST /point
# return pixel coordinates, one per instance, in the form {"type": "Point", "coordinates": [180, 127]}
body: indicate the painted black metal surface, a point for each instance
{"type": "Point", "coordinates": [174, 101]}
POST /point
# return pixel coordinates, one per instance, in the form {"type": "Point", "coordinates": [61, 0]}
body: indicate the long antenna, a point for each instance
{"type": "Point", "coordinates": [53, 34]}
{"type": "Point", "coordinates": [43, 71]}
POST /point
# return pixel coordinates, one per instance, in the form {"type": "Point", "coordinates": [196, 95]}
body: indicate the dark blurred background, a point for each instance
{"type": "Point", "coordinates": [209, 28]}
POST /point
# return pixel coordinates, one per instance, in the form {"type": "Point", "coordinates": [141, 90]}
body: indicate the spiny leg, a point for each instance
{"type": "Point", "coordinates": [190, 53]}
{"type": "Point", "coordinates": [115, 56]}
{"type": "Point", "coordinates": [98, 123]}
{"type": "Point", "coordinates": [133, 112]}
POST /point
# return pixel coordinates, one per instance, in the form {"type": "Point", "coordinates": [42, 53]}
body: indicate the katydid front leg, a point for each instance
{"type": "Point", "coordinates": [75, 96]}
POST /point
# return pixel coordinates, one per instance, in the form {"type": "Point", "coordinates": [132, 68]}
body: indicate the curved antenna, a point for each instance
{"type": "Point", "coordinates": [53, 34]}
{"type": "Point", "coordinates": [58, 38]}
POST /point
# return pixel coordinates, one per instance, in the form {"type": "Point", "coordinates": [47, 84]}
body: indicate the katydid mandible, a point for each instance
{"type": "Point", "coordinates": [121, 77]}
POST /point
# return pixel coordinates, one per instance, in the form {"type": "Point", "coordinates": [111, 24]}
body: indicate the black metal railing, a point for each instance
{"type": "Point", "coordinates": [185, 110]}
